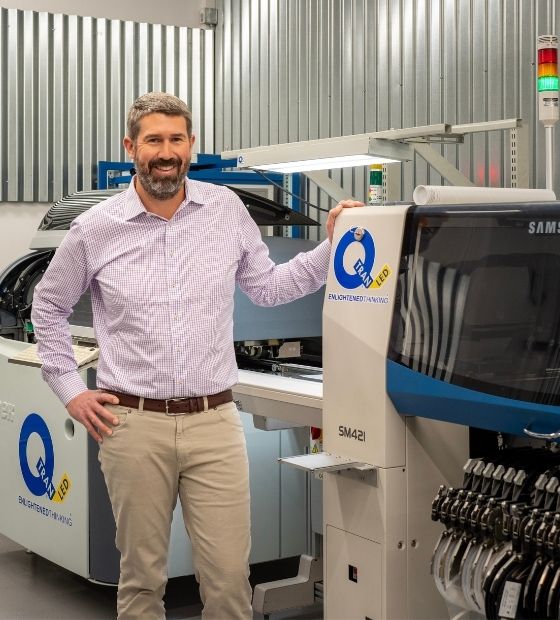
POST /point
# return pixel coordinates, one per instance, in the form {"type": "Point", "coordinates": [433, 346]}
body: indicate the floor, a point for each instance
{"type": "Point", "coordinates": [32, 588]}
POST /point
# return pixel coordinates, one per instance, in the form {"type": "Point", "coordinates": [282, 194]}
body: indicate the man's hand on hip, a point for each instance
{"type": "Point", "coordinates": [334, 213]}
{"type": "Point", "coordinates": [87, 408]}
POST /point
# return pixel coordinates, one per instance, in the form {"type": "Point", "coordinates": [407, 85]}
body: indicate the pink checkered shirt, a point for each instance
{"type": "Point", "coordinates": [162, 293]}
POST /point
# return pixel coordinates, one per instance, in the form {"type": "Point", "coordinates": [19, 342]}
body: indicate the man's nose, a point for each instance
{"type": "Point", "coordinates": [166, 151]}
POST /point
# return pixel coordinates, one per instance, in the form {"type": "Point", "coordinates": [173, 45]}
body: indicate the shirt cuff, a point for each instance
{"type": "Point", "coordinates": [67, 386]}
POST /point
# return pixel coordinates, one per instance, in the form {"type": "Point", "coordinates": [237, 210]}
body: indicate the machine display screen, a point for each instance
{"type": "Point", "coordinates": [478, 298]}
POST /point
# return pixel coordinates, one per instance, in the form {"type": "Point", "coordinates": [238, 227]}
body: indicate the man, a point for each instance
{"type": "Point", "coordinates": [162, 260]}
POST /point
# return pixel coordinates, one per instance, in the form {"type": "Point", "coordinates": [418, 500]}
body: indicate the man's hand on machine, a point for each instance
{"type": "Point", "coordinates": [334, 213]}
{"type": "Point", "coordinates": [87, 408]}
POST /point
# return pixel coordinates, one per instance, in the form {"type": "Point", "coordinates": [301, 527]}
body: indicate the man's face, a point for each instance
{"type": "Point", "coordinates": [162, 154]}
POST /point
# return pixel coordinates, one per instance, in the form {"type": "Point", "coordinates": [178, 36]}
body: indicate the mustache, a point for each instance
{"type": "Point", "coordinates": [165, 162]}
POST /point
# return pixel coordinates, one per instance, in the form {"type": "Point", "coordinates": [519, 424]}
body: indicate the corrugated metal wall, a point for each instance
{"type": "Point", "coordinates": [304, 69]}
{"type": "Point", "coordinates": [67, 83]}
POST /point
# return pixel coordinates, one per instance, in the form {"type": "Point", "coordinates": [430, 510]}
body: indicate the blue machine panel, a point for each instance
{"type": "Point", "coordinates": [414, 393]}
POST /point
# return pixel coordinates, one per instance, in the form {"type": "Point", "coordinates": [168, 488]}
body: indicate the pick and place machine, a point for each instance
{"type": "Point", "coordinates": [54, 498]}
{"type": "Point", "coordinates": [437, 319]}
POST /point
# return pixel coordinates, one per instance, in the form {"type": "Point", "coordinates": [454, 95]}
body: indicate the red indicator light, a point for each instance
{"type": "Point", "coordinates": [548, 54]}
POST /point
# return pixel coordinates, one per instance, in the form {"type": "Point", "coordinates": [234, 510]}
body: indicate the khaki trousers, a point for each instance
{"type": "Point", "coordinates": [149, 461]}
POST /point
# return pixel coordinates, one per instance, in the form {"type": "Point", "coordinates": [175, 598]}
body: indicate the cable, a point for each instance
{"type": "Point", "coordinates": [300, 198]}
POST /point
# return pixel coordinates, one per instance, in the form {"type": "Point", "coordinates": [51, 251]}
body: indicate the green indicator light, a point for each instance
{"type": "Point", "coordinates": [549, 82]}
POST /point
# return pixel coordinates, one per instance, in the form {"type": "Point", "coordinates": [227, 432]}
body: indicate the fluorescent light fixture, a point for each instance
{"type": "Point", "coordinates": [325, 163]}
{"type": "Point", "coordinates": [342, 152]}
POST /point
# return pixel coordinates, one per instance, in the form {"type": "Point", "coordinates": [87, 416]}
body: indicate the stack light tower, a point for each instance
{"type": "Point", "coordinates": [547, 86]}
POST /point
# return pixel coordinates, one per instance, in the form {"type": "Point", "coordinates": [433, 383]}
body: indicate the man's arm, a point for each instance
{"type": "Point", "coordinates": [267, 284]}
{"type": "Point", "coordinates": [64, 282]}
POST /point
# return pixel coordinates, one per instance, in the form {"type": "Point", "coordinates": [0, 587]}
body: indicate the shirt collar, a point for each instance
{"type": "Point", "coordinates": [193, 193]}
{"type": "Point", "coordinates": [134, 206]}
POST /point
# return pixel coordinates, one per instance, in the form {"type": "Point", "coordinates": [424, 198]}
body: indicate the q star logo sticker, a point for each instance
{"type": "Point", "coordinates": [38, 475]}
{"type": "Point", "coordinates": [358, 240]}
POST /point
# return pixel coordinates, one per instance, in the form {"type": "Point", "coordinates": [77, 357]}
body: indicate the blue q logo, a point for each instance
{"type": "Point", "coordinates": [361, 274]}
{"type": "Point", "coordinates": [39, 478]}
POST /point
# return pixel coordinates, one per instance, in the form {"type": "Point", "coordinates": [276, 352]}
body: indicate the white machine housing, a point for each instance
{"type": "Point", "coordinates": [378, 534]}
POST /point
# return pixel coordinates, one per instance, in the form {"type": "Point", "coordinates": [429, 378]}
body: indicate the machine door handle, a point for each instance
{"type": "Point", "coordinates": [530, 433]}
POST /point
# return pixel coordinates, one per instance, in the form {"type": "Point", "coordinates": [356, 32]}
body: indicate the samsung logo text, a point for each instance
{"type": "Point", "coordinates": [544, 227]}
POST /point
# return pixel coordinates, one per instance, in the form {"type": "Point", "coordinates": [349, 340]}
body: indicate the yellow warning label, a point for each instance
{"type": "Point", "coordinates": [62, 489]}
{"type": "Point", "coordinates": [381, 277]}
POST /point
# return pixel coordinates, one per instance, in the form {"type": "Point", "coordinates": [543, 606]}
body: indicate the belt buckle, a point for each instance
{"type": "Point", "coordinates": [175, 400]}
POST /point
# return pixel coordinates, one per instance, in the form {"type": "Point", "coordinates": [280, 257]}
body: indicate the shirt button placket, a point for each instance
{"type": "Point", "coordinates": [173, 293]}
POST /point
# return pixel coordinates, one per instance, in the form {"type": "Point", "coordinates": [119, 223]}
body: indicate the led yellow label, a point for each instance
{"type": "Point", "coordinates": [381, 277]}
{"type": "Point", "coordinates": [62, 489]}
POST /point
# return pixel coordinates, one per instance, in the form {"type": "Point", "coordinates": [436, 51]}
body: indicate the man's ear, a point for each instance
{"type": "Point", "coordinates": [129, 146]}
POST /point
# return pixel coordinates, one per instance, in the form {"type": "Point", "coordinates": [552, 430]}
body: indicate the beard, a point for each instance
{"type": "Point", "coordinates": [165, 187]}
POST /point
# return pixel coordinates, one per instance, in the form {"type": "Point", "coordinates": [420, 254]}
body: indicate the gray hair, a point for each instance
{"type": "Point", "coordinates": [156, 103]}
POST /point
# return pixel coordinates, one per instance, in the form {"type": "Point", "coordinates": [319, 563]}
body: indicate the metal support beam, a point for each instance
{"type": "Point", "coordinates": [324, 182]}
{"type": "Point", "coordinates": [506, 123]}
{"type": "Point", "coordinates": [442, 166]}
{"type": "Point", "coordinates": [410, 133]}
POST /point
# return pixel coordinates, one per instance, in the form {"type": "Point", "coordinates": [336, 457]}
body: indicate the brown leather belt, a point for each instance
{"type": "Point", "coordinates": [174, 406]}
